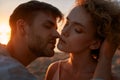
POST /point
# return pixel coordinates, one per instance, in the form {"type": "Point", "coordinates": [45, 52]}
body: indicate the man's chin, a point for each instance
{"type": "Point", "coordinates": [46, 53]}
{"type": "Point", "coordinates": [49, 53]}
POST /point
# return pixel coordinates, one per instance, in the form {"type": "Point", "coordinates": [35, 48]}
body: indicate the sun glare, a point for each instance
{"type": "Point", "coordinates": [4, 33]}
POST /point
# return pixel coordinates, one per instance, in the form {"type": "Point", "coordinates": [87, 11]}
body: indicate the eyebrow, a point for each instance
{"type": "Point", "coordinates": [51, 23]}
{"type": "Point", "coordinates": [77, 23]}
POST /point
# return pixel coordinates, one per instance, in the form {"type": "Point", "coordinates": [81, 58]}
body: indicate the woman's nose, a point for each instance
{"type": "Point", "coordinates": [65, 31]}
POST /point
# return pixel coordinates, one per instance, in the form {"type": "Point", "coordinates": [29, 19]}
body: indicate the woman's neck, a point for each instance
{"type": "Point", "coordinates": [82, 62]}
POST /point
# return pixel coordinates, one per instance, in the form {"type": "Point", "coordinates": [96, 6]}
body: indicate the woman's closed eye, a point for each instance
{"type": "Point", "coordinates": [78, 29]}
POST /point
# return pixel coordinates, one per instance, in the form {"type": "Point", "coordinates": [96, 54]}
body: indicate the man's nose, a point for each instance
{"type": "Point", "coordinates": [56, 34]}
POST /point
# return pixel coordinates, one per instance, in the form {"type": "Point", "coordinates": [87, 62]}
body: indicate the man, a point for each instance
{"type": "Point", "coordinates": [33, 34]}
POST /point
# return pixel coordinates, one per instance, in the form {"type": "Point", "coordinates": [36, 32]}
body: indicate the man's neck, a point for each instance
{"type": "Point", "coordinates": [20, 53]}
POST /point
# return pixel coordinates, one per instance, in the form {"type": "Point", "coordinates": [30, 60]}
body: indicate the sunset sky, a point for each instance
{"type": "Point", "coordinates": [7, 7]}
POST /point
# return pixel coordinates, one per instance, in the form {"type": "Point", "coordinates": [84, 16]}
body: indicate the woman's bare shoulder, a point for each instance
{"type": "Point", "coordinates": [53, 66]}
{"type": "Point", "coordinates": [51, 70]}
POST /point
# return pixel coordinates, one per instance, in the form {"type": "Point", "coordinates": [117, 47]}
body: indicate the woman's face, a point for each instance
{"type": "Point", "coordinates": [78, 33]}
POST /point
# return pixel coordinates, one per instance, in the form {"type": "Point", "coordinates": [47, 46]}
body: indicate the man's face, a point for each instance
{"type": "Point", "coordinates": [41, 35]}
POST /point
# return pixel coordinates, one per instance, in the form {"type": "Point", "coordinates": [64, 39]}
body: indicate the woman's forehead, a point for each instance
{"type": "Point", "coordinates": [80, 15]}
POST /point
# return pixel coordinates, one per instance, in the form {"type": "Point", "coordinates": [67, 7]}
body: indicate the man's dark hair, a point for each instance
{"type": "Point", "coordinates": [27, 11]}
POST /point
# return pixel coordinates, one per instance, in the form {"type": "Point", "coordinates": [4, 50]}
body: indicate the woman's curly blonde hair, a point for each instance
{"type": "Point", "coordinates": [105, 15]}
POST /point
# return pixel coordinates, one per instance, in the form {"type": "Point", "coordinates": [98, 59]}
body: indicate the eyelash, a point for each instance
{"type": "Point", "coordinates": [78, 30]}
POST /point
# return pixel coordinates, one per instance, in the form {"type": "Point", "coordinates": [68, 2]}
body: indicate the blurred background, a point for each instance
{"type": "Point", "coordinates": [39, 66]}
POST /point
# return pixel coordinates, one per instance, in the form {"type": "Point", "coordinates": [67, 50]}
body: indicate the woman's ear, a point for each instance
{"type": "Point", "coordinates": [95, 44]}
{"type": "Point", "coordinates": [21, 26]}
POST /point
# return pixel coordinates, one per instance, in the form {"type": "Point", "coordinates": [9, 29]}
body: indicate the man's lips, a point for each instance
{"type": "Point", "coordinates": [52, 43]}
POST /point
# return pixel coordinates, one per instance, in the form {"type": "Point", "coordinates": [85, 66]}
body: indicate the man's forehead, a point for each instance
{"type": "Point", "coordinates": [44, 16]}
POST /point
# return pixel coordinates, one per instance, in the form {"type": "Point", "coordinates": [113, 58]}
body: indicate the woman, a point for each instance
{"type": "Point", "coordinates": [91, 29]}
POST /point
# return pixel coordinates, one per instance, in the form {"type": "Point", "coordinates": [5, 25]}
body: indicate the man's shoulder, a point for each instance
{"type": "Point", "coordinates": [3, 50]}
{"type": "Point", "coordinates": [8, 61]}
{"type": "Point", "coordinates": [12, 69]}
{"type": "Point", "coordinates": [5, 59]}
